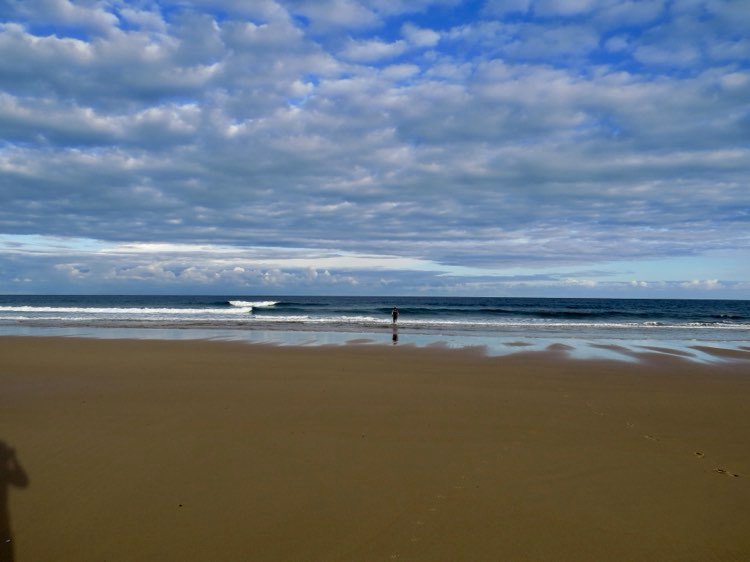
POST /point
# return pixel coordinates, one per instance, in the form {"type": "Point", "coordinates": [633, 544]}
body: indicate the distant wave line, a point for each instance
{"type": "Point", "coordinates": [125, 310]}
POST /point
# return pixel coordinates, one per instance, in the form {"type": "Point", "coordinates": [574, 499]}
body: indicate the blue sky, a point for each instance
{"type": "Point", "coordinates": [518, 147]}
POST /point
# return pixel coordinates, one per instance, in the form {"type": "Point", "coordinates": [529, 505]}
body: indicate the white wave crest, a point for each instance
{"type": "Point", "coordinates": [120, 310]}
{"type": "Point", "coordinates": [254, 304]}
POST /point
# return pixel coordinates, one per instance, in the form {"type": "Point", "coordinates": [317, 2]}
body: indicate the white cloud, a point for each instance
{"type": "Point", "coordinates": [372, 50]}
{"type": "Point", "coordinates": [149, 20]}
{"type": "Point", "coordinates": [580, 282]}
{"type": "Point", "coordinates": [629, 12]}
{"type": "Point", "coordinates": [325, 14]}
{"type": "Point", "coordinates": [420, 37]}
{"type": "Point", "coordinates": [704, 284]}
{"type": "Point", "coordinates": [93, 17]}
{"type": "Point", "coordinates": [400, 71]}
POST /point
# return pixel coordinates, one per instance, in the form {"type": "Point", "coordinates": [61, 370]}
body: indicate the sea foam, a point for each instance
{"type": "Point", "coordinates": [254, 304]}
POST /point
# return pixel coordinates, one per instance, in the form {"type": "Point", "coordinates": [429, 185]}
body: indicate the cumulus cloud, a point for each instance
{"type": "Point", "coordinates": [348, 14]}
{"type": "Point", "coordinates": [420, 37]}
{"type": "Point", "coordinates": [536, 134]}
{"type": "Point", "coordinates": [372, 50]}
{"type": "Point", "coordinates": [707, 284]}
{"type": "Point", "coordinates": [67, 14]}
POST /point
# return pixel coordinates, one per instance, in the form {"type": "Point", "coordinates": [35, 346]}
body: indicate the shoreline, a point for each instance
{"type": "Point", "coordinates": [159, 449]}
{"type": "Point", "coordinates": [601, 345]}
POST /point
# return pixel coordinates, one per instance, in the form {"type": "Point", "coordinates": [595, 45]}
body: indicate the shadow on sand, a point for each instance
{"type": "Point", "coordinates": [11, 474]}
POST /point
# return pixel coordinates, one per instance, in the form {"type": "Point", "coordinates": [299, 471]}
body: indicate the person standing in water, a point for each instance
{"type": "Point", "coordinates": [394, 314]}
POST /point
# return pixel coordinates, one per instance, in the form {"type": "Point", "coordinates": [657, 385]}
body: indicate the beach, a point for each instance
{"type": "Point", "coordinates": [207, 450]}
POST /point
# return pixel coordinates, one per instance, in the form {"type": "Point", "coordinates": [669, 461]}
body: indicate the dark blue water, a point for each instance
{"type": "Point", "coordinates": [424, 312]}
{"type": "Point", "coordinates": [454, 321]}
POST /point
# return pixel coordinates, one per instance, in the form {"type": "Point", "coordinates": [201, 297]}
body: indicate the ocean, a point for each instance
{"type": "Point", "coordinates": [588, 327]}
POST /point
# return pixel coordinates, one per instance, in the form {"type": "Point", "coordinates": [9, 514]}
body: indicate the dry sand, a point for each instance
{"type": "Point", "coordinates": [158, 450]}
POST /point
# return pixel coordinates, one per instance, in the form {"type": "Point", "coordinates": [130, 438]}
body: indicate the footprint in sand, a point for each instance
{"type": "Point", "coordinates": [726, 472]}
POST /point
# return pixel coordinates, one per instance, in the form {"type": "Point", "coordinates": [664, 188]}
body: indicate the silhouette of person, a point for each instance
{"type": "Point", "coordinates": [11, 474]}
{"type": "Point", "coordinates": [394, 314]}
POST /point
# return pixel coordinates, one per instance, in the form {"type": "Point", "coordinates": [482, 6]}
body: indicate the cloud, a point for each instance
{"type": "Point", "coordinates": [563, 7]}
{"type": "Point", "coordinates": [420, 37]}
{"type": "Point", "coordinates": [326, 14]}
{"type": "Point", "coordinates": [146, 20]}
{"type": "Point", "coordinates": [705, 284]}
{"type": "Point", "coordinates": [79, 265]}
{"type": "Point", "coordinates": [549, 137]}
{"type": "Point", "coordinates": [372, 50]}
{"type": "Point", "coordinates": [500, 8]}
{"type": "Point", "coordinates": [94, 18]}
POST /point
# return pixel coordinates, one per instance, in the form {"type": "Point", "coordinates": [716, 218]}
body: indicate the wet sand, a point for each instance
{"type": "Point", "coordinates": [168, 450]}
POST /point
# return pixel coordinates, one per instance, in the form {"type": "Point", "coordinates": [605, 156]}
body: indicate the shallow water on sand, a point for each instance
{"type": "Point", "coordinates": [592, 346]}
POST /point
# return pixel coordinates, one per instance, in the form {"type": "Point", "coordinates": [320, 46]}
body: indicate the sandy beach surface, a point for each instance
{"type": "Point", "coordinates": [165, 450]}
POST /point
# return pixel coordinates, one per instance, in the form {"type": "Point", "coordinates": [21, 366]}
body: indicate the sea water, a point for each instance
{"type": "Point", "coordinates": [498, 325]}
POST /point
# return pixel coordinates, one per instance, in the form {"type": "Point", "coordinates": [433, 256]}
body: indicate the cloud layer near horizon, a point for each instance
{"type": "Point", "coordinates": [375, 146]}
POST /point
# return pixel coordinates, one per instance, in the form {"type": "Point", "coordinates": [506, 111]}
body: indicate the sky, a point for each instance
{"type": "Point", "coordinates": [540, 148]}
